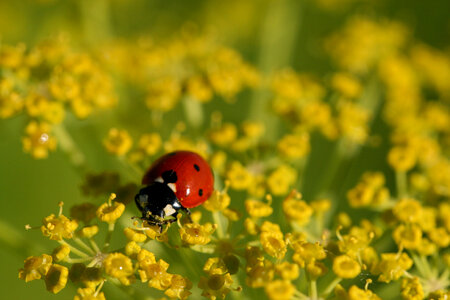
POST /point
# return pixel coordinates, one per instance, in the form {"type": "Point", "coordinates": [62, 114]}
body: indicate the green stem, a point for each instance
{"type": "Point", "coordinates": [94, 245]}
{"type": "Point", "coordinates": [193, 111]}
{"type": "Point", "coordinates": [278, 37]}
{"type": "Point", "coordinates": [74, 249]}
{"type": "Point", "coordinates": [95, 17]}
{"type": "Point", "coordinates": [400, 179]}
{"type": "Point", "coordinates": [84, 246]}
{"type": "Point", "coordinates": [331, 286]}
{"type": "Point", "coordinates": [77, 260]}
{"type": "Point", "coordinates": [69, 146]}
{"type": "Point", "coordinates": [313, 290]}
{"type": "Point", "coordinates": [218, 220]}
{"type": "Point", "coordinates": [108, 236]}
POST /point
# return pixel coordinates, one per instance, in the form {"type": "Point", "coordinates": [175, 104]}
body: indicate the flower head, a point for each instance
{"type": "Point", "coordinates": [56, 278]}
{"type": "Point", "coordinates": [196, 234]}
{"type": "Point", "coordinates": [35, 267]}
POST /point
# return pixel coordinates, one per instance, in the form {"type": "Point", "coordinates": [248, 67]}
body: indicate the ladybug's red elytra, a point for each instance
{"type": "Point", "coordinates": [176, 181]}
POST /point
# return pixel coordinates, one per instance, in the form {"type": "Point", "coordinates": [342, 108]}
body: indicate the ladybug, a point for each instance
{"type": "Point", "coordinates": [175, 182]}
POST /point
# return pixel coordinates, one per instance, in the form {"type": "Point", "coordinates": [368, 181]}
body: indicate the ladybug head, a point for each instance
{"type": "Point", "coordinates": [157, 201]}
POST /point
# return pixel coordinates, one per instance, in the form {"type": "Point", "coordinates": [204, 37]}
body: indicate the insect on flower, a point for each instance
{"type": "Point", "coordinates": [175, 182]}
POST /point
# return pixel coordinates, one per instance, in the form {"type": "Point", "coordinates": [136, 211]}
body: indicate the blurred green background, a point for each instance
{"type": "Point", "coordinates": [269, 33]}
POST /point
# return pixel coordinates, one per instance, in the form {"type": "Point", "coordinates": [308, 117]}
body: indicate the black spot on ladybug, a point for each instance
{"type": "Point", "coordinates": [196, 167]}
{"type": "Point", "coordinates": [169, 176]}
{"type": "Point", "coordinates": [200, 192]}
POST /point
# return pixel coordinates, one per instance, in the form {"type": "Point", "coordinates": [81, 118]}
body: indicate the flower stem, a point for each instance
{"type": "Point", "coordinates": [84, 246]}
{"type": "Point", "coordinates": [74, 249]}
{"type": "Point", "coordinates": [400, 179]}
{"type": "Point", "coordinates": [331, 286]}
{"type": "Point", "coordinates": [218, 220]}
{"type": "Point", "coordinates": [108, 236]}
{"type": "Point", "coordinates": [193, 111]}
{"type": "Point", "coordinates": [313, 290]}
{"type": "Point", "coordinates": [69, 146]}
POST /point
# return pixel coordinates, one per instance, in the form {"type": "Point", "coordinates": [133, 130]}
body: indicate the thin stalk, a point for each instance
{"type": "Point", "coordinates": [401, 182]}
{"type": "Point", "coordinates": [68, 145]}
{"type": "Point", "coordinates": [84, 246]}
{"type": "Point", "coordinates": [108, 236]}
{"type": "Point", "coordinates": [331, 286]}
{"type": "Point", "coordinates": [313, 290]}
{"type": "Point", "coordinates": [74, 249]}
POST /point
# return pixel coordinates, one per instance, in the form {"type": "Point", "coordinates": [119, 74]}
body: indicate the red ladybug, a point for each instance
{"type": "Point", "coordinates": [176, 181]}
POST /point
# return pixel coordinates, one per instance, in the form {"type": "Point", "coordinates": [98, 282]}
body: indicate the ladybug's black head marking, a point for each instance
{"type": "Point", "coordinates": [169, 176]}
{"type": "Point", "coordinates": [157, 201]}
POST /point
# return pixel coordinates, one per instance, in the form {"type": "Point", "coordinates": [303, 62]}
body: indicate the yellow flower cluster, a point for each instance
{"type": "Point", "coordinates": [45, 81]}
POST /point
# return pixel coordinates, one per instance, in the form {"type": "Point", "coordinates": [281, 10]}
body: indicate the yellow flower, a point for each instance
{"type": "Point", "coordinates": [196, 234]}
{"type": "Point", "coordinates": [294, 146]}
{"type": "Point", "coordinates": [38, 140]}
{"type": "Point", "coordinates": [89, 293]}
{"type": "Point", "coordinates": [440, 237]}
{"type": "Point", "coordinates": [370, 191]}
{"type": "Point", "coordinates": [297, 210]}
{"type": "Point", "coordinates": [353, 122]}
{"type": "Point", "coordinates": [253, 129]}
{"type": "Point", "coordinates": [132, 249]}
{"type": "Point", "coordinates": [58, 228]}
{"type": "Point", "coordinates": [238, 176]}
{"type": "Point", "coordinates": [346, 267]}
{"type": "Point", "coordinates": [392, 266]}
{"type": "Point", "coordinates": [150, 143]}
{"type": "Point", "coordinates": [61, 252]}
{"type": "Point", "coordinates": [402, 158]}
{"type": "Point", "coordinates": [224, 135]}
{"type": "Point", "coordinates": [163, 94]}
{"type": "Point", "coordinates": [110, 212]}
{"type": "Point", "coordinates": [409, 237]}
{"type": "Point", "coordinates": [119, 266]}
{"type": "Point", "coordinates": [346, 84]}
{"type": "Point", "coordinates": [287, 271]}
{"type": "Point", "coordinates": [56, 278]}
{"type": "Point", "coordinates": [316, 269]}
{"type": "Point", "coordinates": [218, 201]}
{"type": "Point", "coordinates": [198, 89]}
{"type": "Point", "coordinates": [257, 209]}
{"type": "Point", "coordinates": [412, 289]}
{"type": "Point", "coordinates": [88, 231]}
{"type": "Point", "coordinates": [280, 290]}
{"type": "Point", "coordinates": [273, 243]}
{"type": "Point", "coordinates": [408, 210]}
{"type": "Point", "coordinates": [153, 272]}
{"type": "Point", "coordinates": [35, 267]}
{"type": "Point", "coordinates": [179, 287]}
{"type": "Point", "coordinates": [355, 293]}
{"type": "Point", "coordinates": [118, 142]}
{"type": "Point", "coordinates": [134, 235]}
{"type": "Point", "coordinates": [306, 252]}
{"type": "Point", "coordinates": [281, 179]}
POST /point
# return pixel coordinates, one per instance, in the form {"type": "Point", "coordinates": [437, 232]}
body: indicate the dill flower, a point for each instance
{"type": "Point", "coordinates": [294, 146]}
{"type": "Point", "coordinates": [150, 143]}
{"type": "Point", "coordinates": [109, 212]}
{"type": "Point", "coordinates": [238, 176]}
{"type": "Point", "coordinates": [58, 228]}
{"type": "Point", "coordinates": [196, 234]}
{"type": "Point", "coordinates": [38, 141]}
{"type": "Point", "coordinates": [410, 237]}
{"type": "Point", "coordinates": [297, 210]}
{"type": "Point", "coordinates": [218, 201]}
{"type": "Point", "coordinates": [287, 270]}
{"type": "Point", "coordinates": [179, 287]}
{"type": "Point", "coordinates": [35, 267]}
{"type": "Point", "coordinates": [257, 209]}
{"type": "Point", "coordinates": [119, 266]}
{"type": "Point", "coordinates": [412, 289]}
{"type": "Point", "coordinates": [134, 235]}
{"type": "Point", "coordinates": [281, 179]}
{"type": "Point", "coordinates": [346, 84]}
{"type": "Point", "coordinates": [118, 142]}
{"type": "Point", "coordinates": [392, 266]}
{"type": "Point", "coordinates": [402, 158]}
{"type": "Point", "coordinates": [56, 278]}
{"type": "Point", "coordinates": [346, 267]}
{"type": "Point", "coordinates": [355, 293]}
{"type": "Point", "coordinates": [88, 231]}
{"type": "Point", "coordinates": [408, 210]}
{"type": "Point", "coordinates": [89, 293]}
{"type": "Point", "coordinates": [280, 290]}
{"type": "Point", "coordinates": [60, 253]}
